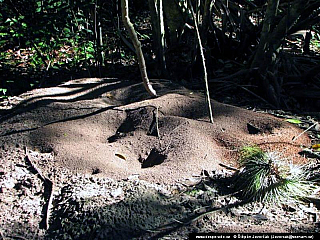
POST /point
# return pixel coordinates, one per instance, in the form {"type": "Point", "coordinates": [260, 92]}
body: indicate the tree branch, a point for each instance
{"type": "Point", "coordinates": [137, 45]}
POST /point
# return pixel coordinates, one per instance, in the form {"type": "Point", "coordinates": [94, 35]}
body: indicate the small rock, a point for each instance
{"type": "Point", "coordinates": [117, 192]}
{"type": "Point", "coordinates": [311, 209]}
{"type": "Point", "coordinates": [10, 183]}
{"type": "Point", "coordinates": [289, 208]}
{"type": "Point", "coordinates": [260, 217]}
{"type": "Point", "coordinates": [133, 177]}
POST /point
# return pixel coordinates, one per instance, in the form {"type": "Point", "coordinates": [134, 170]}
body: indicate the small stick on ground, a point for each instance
{"type": "Point", "coordinates": [15, 237]}
{"type": "Point", "coordinates": [257, 96]}
{"type": "Point", "coordinates": [296, 137]}
{"type": "Point", "coordinates": [154, 127]}
{"type": "Point", "coordinates": [1, 235]}
{"type": "Point", "coordinates": [48, 188]}
{"type": "Point", "coordinates": [213, 210]}
{"type": "Point", "coordinates": [157, 122]}
{"type": "Point", "coordinates": [229, 167]}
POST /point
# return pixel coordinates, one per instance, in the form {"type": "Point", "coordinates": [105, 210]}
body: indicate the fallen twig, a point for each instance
{"type": "Point", "coordinates": [309, 153]}
{"type": "Point", "coordinates": [1, 235]}
{"type": "Point", "coordinates": [154, 128]}
{"type": "Point", "coordinates": [223, 208]}
{"type": "Point", "coordinates": [226, 79]}
{"type": "Point", "coordinates": [257, 96]}
{"type": "Point", "coordinates": [295, 138]}
{"type": "Point", "coordinates": [157, 122]}
{"type": "Point", "coordinates": [48, 185]}
{"type": "Point", "coordinates": [175, 220]}
{"type": "Point", "coordinates": [15, 237]}
{"type": "Point", "coordinates": [28, 159]}
{"type": "Point", "coordinates": [229, 167]}
{"type": "Point", "coordinates": [234, 75]}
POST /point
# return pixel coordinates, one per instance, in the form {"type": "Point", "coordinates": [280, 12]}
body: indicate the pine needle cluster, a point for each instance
{"type": "Point", "coordinates": [266, 177]}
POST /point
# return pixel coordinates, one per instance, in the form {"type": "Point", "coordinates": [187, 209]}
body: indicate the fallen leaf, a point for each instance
{"type": "Point", "coordinates": [120, 156]}
{"type": "Point", "coordinates": [295, 121]}
{"type": "Point", "coordinates": [316, 147]}
{"type": "Point", "coordinates": [109, 95]}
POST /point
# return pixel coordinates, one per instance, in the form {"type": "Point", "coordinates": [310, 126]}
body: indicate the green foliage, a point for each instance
{"type": "Point", "coordinates": [266, 177]}
{"type": "Point", "coordinates": [251, 152]}
{"type": "Point", "coordinates": [3, 92]}
{"type": "Point", "coordinates": [45, 37]}
{"type": "Point", "coordinates": [37, 36]}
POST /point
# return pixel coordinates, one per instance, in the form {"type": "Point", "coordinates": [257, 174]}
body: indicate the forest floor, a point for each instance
{"type": "Point", "coordinates": [98, 159]}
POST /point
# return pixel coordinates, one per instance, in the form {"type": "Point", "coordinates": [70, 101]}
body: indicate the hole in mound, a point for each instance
{"type": "Point", "coordinates": [253, 129]}
{"type": "Point", "coordinates": [142, 118]}
{"type": "Point", "coordinates": [96, 170]}
{"type": "Point", "coordinates": [45, 149]}
{"type": "Point", "coordinates": [127, 126]}
{"type": "Point", "coordinates": [115, 137]}
{"type": "Point", "coordinates": [155, 157]}
{"type": "Point", "coordinates": [257, 127]}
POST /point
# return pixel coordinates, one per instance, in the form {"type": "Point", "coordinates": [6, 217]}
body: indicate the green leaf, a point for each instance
{"type": "Point", "coordinates": [87, 30]}
{"type": "Point", "coordinates": [55, 67]}
{"type": "Point", "coordinates": [3, 90]}
{"type": "Point", "coordinates": [294, 121]}
{"type": "Point", "coordinates": [66, 30]}
{"type": "Point", "coordinates": [89, 56]}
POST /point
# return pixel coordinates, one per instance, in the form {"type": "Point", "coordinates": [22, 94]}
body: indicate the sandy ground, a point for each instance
{"type": "Point", "coordinates": [113, 163]}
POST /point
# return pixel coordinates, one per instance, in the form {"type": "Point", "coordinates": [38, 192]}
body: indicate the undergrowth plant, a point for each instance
{"type": "Point", "coordinates": [267, 177]}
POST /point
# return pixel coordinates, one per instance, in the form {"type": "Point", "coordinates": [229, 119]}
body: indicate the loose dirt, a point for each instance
{"type": "Point", "coordinates": [120, 161]}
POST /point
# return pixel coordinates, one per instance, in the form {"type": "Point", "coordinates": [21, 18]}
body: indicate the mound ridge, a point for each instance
{"type": "Point", "coordinates": [108, 127]}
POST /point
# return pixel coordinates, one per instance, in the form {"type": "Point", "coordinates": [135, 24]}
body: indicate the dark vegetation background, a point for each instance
{"type": "Point", "coordinates": [253, 48]}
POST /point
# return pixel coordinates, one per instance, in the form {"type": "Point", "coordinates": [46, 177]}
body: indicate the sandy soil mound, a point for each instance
{"type": "Point", "coordinates": [112, 128]}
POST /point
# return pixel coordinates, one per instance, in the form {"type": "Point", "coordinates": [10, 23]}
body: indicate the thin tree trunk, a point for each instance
{"type": "Point", "coordinates": [206, 20]}
{"type": "Point", "coordinates": [174, 20]}
{"type": "Point", "coordinates": [162, 56]}
{"type": "Point", "coordinates": [137, 46]}
{"type": "Point", "coordinates": [158, 32]}
{"type": "Point", "coordinates": [203, 63]}
{"type": "Point", "coordinates": [263, 46]}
